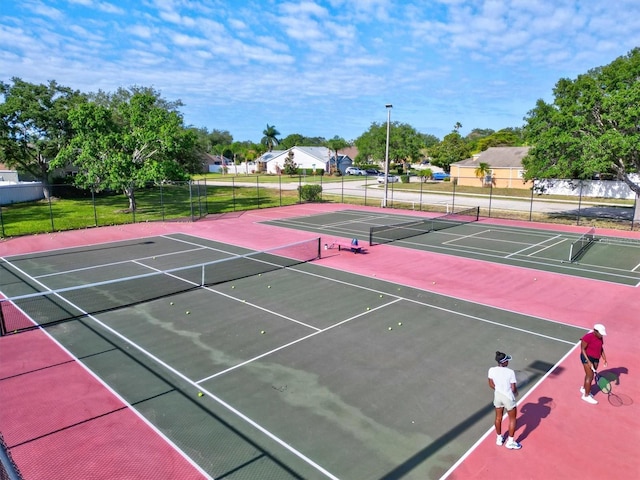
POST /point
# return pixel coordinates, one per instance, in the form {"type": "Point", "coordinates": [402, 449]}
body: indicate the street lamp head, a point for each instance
{"type": "Point", "coordinates": [388, 105]}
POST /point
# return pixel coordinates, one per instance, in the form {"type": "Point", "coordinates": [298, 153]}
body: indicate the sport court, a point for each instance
{"type": "Point", "coordinates": [589, 254]}
{"type": "Point", "coordinates": [305, 371]}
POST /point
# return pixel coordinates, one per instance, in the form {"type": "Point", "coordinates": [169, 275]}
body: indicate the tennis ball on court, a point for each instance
{"type": "Point", "coordinates": [368, 308]}
{"type": "Point", "coordinates": [154, 258]}
{"type": "Point", "coordinates": [535, 279]}
{"type": "Point", "coordinates": [233, 286]}
{"type": "Point", "coordinates": [380, 296]}
{"type": "Point", "coordinates": [268, 286]}
{"type": "Point", "coordinates": [170, 303]}
{"type": "Point", "coordinates": [390, 328]}
{"type": "Point", "coordinates": [434, 283]}
{"type": "Point", "coordinates": [200, 394]}
{"type": "Point", "coordinates": [399, 324]}
{"type": "Point", "coordinates": [187, 312]}
{"type": "Point", "coordinates": [262, 332]}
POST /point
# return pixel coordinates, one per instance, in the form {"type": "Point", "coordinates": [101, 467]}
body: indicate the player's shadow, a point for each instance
{"type": "Point", "coordinates": [613, 374]}
{"type": "Point", "coordinates": [531, 414]}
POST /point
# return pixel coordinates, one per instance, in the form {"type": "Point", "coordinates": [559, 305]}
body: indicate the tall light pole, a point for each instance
{"type": "Point", "coordinates": [386, 157]}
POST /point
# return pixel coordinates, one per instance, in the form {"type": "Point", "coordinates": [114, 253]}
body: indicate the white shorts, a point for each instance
{"type": "Point", "coordinates": [500, 400]}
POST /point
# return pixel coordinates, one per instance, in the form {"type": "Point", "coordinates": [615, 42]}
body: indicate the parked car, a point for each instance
{"type": "Point", "coordinates": [354, 171]}
{"type": "Point", "coordinates": [372, 171]}
{"type": "Point", "coordinates": [390, 178]}
{"type": "Point", "coordinates": [440, 176]}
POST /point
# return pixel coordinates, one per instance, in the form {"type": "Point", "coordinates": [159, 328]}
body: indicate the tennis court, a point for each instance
{"type": "Point", "coordinates": [587, 254]}
{"type": "Point", "coordinates": [305, 371]}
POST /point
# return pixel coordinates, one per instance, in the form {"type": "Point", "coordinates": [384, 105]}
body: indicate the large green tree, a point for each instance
{"type": "Point", "coordinates": [34, 125]}
{"type": "Point", "coordinates": [126, 142]}
{"type": "Point", "coordinates": [592, 126]}
{"type": "Point", "coordinates": [405, 143]}
{"type": "Point", "coordinates": [451, 149]}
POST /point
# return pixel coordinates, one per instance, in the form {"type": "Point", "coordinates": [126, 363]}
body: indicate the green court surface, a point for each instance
{"type": "Point", "coordinates": [608, 259]}
{"type": "Point", "coordinates": [305, 372]}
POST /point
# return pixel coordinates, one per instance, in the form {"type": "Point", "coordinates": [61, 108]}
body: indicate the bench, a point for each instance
{"type": "Point", "coordinates": [355, 248]}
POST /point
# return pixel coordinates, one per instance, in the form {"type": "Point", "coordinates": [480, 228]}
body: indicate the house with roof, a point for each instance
{"type": "Point", "coordinates": [215, 163]}
{"type": "Point", "coordinates": [505, 168]}
{"type": "Point", "coordinates": [307, 158]}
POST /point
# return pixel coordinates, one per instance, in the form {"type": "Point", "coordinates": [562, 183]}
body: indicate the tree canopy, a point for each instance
{"type": "Point", "coordinates": [34, 125]}
{"type": "Point", "coordinates": [126, 142]}
{"type": "Point", "coordinates": [453, 148]}
{"type": "Point", "coordinates": [405, 143]}
{"type": "Point", "coordinates": [592, 126]}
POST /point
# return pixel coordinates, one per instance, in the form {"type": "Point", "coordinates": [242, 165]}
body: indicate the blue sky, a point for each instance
{"type": "Point", "coordinates": [321, 68]}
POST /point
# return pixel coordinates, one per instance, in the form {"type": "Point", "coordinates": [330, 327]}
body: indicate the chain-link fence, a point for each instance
{"type": "Point", "coordinates": [69, 209]}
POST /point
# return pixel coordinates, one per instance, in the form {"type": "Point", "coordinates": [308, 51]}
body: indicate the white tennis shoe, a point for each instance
{"type": "Point", "coordinates": [589, 399]}
{"type": "Point", "coordinates": [513, 445]}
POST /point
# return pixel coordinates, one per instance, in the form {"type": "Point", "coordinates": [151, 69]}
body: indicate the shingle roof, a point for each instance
{"type": "Point", "coordinates": [497, 157]}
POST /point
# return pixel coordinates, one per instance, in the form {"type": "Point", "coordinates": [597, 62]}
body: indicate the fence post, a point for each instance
{"type": "Point", "coordinates": [453, 196]}
{"type": "Point", "coordinates": [579, 204]}
{"type": "Point", "coordinates": [191, 200]}
{"type": "Point", "coordinates": [53, 228]}
{"type": "Point", "coordinates": [93, 201]}
{"type": "Point", "coordinates": [490, 197]}
{"type": "Point", "coordinates": [533, 188]}
{"type": "Point", "coordinates": [258, 190]}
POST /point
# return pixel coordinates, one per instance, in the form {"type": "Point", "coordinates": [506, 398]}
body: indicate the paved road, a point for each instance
{"type": "Point", "coordinates": [370, 190]}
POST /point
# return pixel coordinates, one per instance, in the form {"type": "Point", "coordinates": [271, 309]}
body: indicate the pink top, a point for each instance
{"type": "Point", "coordinates": [594, 345]}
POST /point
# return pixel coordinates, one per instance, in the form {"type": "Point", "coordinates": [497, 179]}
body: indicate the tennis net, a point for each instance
{"type": "Point", "coordinates": [399, 231]}
{"type": "Point", "coordinates": [580, 246]}
{"type": "Point", "coordinates": [53, 306]}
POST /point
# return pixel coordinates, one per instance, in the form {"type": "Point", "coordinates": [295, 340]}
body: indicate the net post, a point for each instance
{"type": "Point", "coordinates": [3, 328]}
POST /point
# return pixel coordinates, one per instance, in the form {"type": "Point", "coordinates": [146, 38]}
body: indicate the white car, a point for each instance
{"type": "Point", "coordinates": [390, 178]}
{"type": "Point", "coordinates": [354, 171]}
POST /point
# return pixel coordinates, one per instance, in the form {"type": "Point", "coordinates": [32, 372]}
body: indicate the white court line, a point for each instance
{"type": "Point", "coordinates": [447, 309]}
{"type": "Point", "coordinates": [463, 237]}
{"type": "Point", "coordinates": [551, 262]}
{"type": "Point", "coordinates": [113, 264]}
{"type": "Point", "coordinates": [536, 245]}
{"type": "Point", "coordinates": [548, 246]}
{"type": "Point", "coordinates": [106, 385]}
{"type": "Point", "coordinates": [251, 360]}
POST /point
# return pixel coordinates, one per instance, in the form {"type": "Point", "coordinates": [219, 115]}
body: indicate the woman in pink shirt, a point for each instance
{"type": "Point", "coordinates": [591, 350]}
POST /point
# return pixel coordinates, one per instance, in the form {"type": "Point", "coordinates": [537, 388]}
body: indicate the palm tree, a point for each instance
{"type": "Point", "coordinates": [270, 137]}
{"type": "Point", "coordinates": [482, 172]}
{"type": "Point", "coordinates": [335, 144]}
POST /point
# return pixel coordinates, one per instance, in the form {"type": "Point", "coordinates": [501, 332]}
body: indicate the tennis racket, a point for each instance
{"type": "Point", "coordinates": [604, 385]}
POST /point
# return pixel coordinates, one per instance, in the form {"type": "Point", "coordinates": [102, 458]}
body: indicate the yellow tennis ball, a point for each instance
{"type": "Point", "coordinates": [262, 332]}
{"type": "Point", "coordinates": [269, 286]}
{"type": "Point", "coordinates": [368, 308]}
{"type": "Point", "coordinates": [233, 286]}
{"type": "Point", "coordinates": [380, 296]}
{"type": "Point", "coordinates": [170, 303]}
{"type": "Point", "coordinates": [400, 324]}
{"type": "Point", "coordinates": [187, 312]}
{"type": "Point", "coordinates": [390, 328]}
{"type": "Point", "coordinates": [200, 394]}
